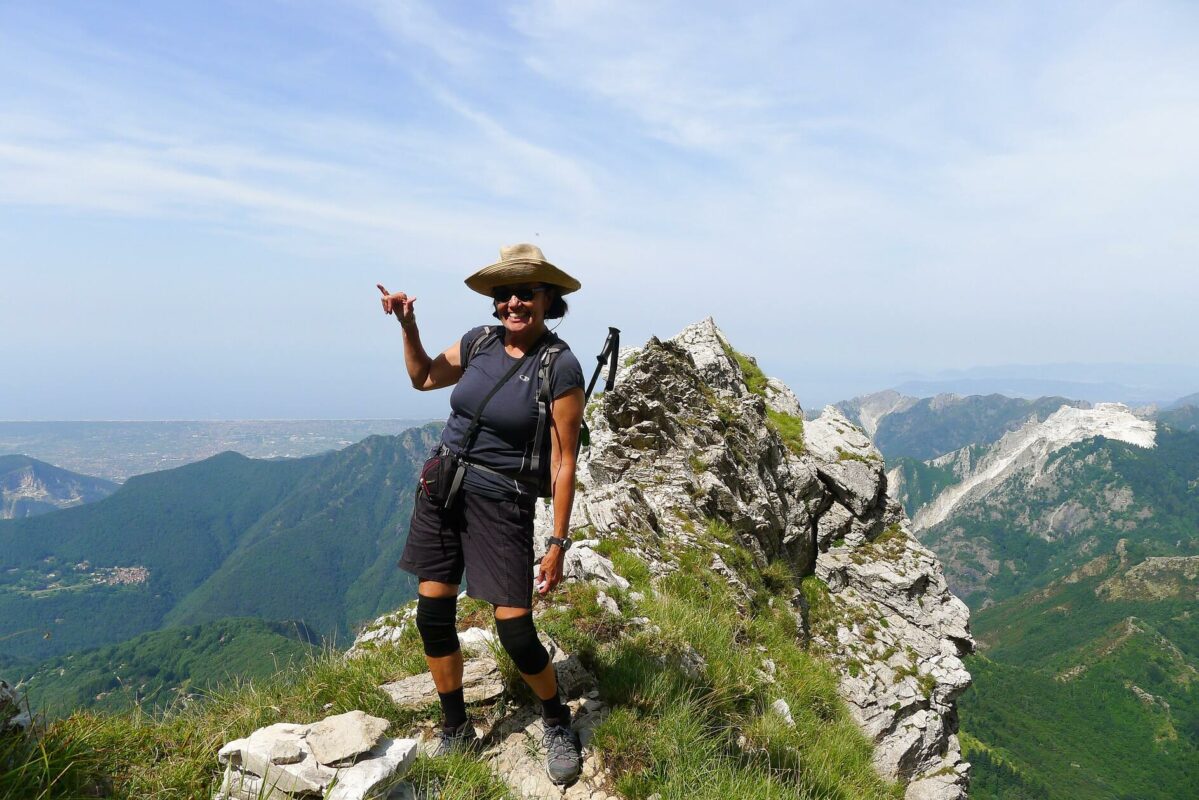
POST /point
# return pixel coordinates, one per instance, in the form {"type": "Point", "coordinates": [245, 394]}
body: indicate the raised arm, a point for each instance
{"type": "Point", "coordinates": [566, 417]}
{"type": "Point", "coordinates": [425, 373]}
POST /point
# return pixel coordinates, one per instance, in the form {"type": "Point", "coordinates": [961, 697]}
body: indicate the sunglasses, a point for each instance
{"type": "Point", "coordinates": [524, 293]}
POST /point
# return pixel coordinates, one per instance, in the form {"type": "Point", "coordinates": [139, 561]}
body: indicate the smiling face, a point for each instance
{"type": "Point", "coordinates": [522, 315]}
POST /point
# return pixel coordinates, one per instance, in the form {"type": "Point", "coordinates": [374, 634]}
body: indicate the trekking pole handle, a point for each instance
{"type": "Point", "coordinates": [607, 354]}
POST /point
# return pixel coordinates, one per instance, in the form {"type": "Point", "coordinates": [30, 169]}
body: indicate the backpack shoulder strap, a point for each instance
{"type": "Point", "coordinates": [477, 344]}
{"type": "Point", "coordinates": [548, 357]}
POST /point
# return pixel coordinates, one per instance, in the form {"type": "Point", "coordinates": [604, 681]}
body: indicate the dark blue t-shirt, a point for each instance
{"type": "Point", "coordinates": [508, 426]}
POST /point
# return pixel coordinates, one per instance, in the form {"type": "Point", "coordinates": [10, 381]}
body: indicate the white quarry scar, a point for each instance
{"type": "Point", "coordinates": [1033, 444]}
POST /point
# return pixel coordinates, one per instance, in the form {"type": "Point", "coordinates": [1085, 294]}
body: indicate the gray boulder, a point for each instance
{"type": "Point", "coordinates": [481, 683]}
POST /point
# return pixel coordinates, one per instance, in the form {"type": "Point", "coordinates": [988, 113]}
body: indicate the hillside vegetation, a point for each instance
{"type": "Point", "coordinates": [1035, 528]}
{"type": "Point", "coordinates": [313, 539]}
{"type": "Point", "coordinates": [696, 726]}
{"type": "Point", "coordinates": [156, 670]}
{"type": "Point", "coordinates": [1086, 696]}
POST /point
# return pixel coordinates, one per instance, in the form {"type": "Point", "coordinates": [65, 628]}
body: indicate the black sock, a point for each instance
{"type": "Point", "coordinates": [555, 712]}
{"type": "Point", "coordinates": [453, 706]}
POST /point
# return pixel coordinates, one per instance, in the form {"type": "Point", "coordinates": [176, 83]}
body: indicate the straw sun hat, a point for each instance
{"type": "Point", "coordinates": [521, 263]}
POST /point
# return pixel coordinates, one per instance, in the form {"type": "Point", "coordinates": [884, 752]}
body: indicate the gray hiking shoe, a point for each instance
{"type": "Point", "coordinates": [563, 760]}
{"type": "Point", "coordinates": [460, 740]}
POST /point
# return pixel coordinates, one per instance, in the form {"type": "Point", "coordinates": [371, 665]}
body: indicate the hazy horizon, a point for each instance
{"type": "Point", "coordinates": [1135, 384]}
{"type": "Point", "coordinates": [197, 199]}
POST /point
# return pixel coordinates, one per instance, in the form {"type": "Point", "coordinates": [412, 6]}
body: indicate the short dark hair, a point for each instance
{"type": "Point", "coordinates": [557, 309]}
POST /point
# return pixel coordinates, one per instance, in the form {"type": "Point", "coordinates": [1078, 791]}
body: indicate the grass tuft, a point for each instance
{"type": "Point", "coordinates": [690, 716]}
{"type": "Point", "coordinates": [788, 427]}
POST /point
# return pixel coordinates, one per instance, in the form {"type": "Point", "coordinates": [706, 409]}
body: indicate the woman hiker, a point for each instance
{"type": "Point", "coordinates": [510, 446]}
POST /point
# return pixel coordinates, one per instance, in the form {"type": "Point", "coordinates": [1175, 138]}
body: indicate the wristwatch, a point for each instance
{"type": "Point", "coordinates": [565, 542]}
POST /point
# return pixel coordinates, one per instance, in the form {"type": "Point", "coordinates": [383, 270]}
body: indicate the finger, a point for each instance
{"type": "Point", "coordinates": [381, 289]}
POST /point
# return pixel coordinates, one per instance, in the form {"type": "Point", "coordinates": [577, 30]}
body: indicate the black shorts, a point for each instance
{"type": "Point", "coordinates": [489, 540]}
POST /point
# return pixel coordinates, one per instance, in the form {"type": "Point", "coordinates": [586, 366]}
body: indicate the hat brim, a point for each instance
{"type": "Point", "coordinates": [521, 271]}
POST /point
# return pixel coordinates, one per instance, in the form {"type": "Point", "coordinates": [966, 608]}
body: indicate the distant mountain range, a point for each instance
{"type": "Point", "coordinates": [116, 450]}
{"type": "Point", "coordinates": [1132, 384]}
{"type": "Point", "coordinates": [1072, 529]}
{"type": "Point", "coordinates": [311, 539]}
{"type": "Point", "coordinates": [29, 487]}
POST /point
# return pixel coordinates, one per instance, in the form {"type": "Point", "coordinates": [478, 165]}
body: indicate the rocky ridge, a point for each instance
{"type": "Point", "coordinates": [693, 435]}
{"type": "Point", "coordinates": [684, 439]}
{"type": "Point", "coordinates": [869, 410]}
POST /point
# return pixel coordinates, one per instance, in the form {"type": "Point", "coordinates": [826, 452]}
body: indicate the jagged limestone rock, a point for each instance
{"type": "Point", "coordinates": [846, 460]}
{"type": "Point", "coordinates": [388, 760]}
{"type": "Point", "coordinates": [682, 440]}
{"type": "Point", "coordinates": [386, 630]}
{"type": "Point", "coordinates": [476, 641]}
{"type": "Point", "coordinates": [783, 710]}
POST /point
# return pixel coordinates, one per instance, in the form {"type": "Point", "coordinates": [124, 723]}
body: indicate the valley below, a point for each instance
{"type": "Point", "coordinates": [1072, 531]}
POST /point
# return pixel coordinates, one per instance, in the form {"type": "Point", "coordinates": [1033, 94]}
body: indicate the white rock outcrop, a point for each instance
{"type": "Point", "coordinates": [342, 757]}
{"type": "Point", "coordinates": [13, 717]}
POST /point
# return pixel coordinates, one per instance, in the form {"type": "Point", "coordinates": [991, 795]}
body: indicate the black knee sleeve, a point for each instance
{"type": "Point", "coordinates": [435, 618]}
{"type": "Point", "coordinates": [519, 638]}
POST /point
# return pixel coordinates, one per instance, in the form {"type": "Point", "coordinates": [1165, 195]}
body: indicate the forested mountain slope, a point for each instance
{"type": "Point", "coordinates": [156, 670]}
{"type": "Point", "coordinates": [312, 539]}
{"type": "Point", "coordinates": [1090, 685]}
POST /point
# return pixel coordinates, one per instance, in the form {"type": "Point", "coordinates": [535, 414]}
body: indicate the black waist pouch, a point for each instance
{"type": "Point", "coordinates": [441, 477]}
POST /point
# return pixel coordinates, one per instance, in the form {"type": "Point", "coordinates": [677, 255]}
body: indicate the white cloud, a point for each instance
{"type": "Point", "coordinates": [861, 180]}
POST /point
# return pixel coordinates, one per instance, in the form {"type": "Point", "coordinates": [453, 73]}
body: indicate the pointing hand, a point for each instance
{"type": "Point", "coordinates": [399, 304]}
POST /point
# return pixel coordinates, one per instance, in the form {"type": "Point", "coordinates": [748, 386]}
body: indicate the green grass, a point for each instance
{"type": "Point", "coordinates": [755, 379]}
{"type": "Point", "coordinates": [173, 755]}
{"type": "Point", "coordinates": [847, 455]}
{"type": "Point", "coordinates": [1034, 725]}
{"type": "Point", "coordinates": [788, 427]}
{"type": "Point", "coordinates": [678, 731]}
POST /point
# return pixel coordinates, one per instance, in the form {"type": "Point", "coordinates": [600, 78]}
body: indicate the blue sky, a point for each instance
{"type": "Point", "coordinates": [197, 198]}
